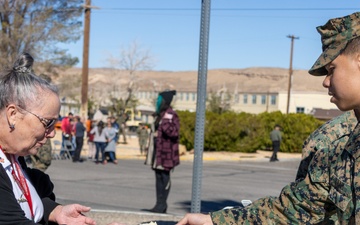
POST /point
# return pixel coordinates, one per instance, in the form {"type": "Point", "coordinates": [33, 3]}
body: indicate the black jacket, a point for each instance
{"type": "Point", "coordinates": [10, 211]}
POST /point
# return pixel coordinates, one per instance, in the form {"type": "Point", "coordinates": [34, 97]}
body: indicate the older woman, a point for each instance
{"type": "Point", "coordinates": [29, 108]}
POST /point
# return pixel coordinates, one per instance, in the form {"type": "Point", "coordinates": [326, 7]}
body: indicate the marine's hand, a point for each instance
{"type": "Point", "coordinates": [71, 214]}
{"type": "Point", "coordinates": [195, 219]}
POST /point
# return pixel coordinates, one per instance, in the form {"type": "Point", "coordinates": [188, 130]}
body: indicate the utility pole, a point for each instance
{"type": "Point", "coordinates": [290, 71]}
{"type": "Point", "coordinates": [85, 65]}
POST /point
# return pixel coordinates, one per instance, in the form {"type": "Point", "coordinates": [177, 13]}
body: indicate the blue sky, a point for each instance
{"type": "Point", "coordinates": [242, 33]}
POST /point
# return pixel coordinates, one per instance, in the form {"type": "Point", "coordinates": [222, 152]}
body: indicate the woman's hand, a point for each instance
{"type": "Point", "coordinates": [195, 219]}
{"type": "Point", "coordinates": [71, 214]}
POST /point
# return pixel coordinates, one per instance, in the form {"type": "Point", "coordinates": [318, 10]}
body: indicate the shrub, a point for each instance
{"type": "Point", "coordinates": [245, 132]}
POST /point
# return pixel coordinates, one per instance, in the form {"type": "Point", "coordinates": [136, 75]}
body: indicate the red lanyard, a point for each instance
{"type": "Point", "coordinates": [21, 182]}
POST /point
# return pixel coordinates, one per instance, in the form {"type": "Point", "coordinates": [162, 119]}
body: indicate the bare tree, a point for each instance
{"type": "Point", "coordinates": [219, 102]}
{"type": "Point", "coordinates": [37, 27]}
{"type": "Point", "coordinates": [132, 59]}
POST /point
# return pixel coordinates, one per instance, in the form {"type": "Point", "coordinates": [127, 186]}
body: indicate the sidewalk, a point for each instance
{"type": "Point", "coordinates": [132, 218]}
{"type": "Point", "coordinates": [131, 150]}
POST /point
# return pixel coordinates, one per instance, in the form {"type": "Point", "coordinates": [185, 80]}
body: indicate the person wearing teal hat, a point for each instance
{"type": "Point", "coordinates": [163, 151]}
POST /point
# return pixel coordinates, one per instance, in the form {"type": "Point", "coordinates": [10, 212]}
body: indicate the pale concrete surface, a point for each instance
{"type": "Point", "coordinates": [132, 218]}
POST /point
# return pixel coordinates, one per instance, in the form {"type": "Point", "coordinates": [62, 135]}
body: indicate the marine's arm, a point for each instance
{"type": "Point", "coordinates": [303, 201]}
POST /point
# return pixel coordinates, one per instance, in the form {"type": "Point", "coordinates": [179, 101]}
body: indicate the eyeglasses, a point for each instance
{"type": "Point", "coordinates": [48, 123]}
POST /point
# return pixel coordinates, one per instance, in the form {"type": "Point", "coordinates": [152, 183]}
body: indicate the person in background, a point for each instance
{"type": "Point", "coordinates": [275, 136]}
{"type": "Point", "coordinates": [29, 108]}
{"type": "Point", "coordinates": [88, 125]}
{"type": "Point", "coordinates": [164, 155]}
{"type": "Point", "coordinates": [110, 149]}
{"type": "Point", "coordinates": [116, 126]}
{"type": "Point", "coordinates": [143, 136]}
{"type": "Point", "coordinates": [79, 139]}
{"type": "Point", "coordinates": [327, 183]}
{"type": "Point", "coordinates": [91, 144]}
{"type": "Point", "coordinates": [42, 159]}
{"type": "Point", "coordinates": [122, 128]}
{"type": "Point", "coordinates": [100, 141]}
{"type": "Point", "coordinates": [66, 127]}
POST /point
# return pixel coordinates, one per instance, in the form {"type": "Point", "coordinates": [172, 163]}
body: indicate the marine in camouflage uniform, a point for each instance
{"type": "Point", "coordinates": [143, 136]}
{"type": "Point", "coordinates": [328, 178]}
{"type": "Point", "coordinates": [42, 159]}
{"type": "Point", "coordinates": [327, 187]}
{"type": "Point", "coordinates": [326, 142]}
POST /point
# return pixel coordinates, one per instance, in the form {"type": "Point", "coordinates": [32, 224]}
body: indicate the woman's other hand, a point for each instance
{"type": "Point", "coordinates": [71, 214]}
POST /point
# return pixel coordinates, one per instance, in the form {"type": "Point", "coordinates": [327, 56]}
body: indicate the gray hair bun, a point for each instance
{"type": "Point", "coordinates": [23, 63]}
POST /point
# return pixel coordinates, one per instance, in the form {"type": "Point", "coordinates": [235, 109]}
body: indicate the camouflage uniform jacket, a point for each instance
{"type": "Point", "coordinates": [42, 159]}
{"type": "Point", "coordinates": [326, 182]}
{"type": "Point", "coordinates": [143, 136]}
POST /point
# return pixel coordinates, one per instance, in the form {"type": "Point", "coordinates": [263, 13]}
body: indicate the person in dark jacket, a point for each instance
{"type": "Point", "coordinates": [79, 139]}
{"type": "Point", "coordinates": [165, 153]}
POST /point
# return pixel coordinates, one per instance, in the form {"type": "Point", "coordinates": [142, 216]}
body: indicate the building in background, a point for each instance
{"type": "Point", "coordinates": [251, 90]}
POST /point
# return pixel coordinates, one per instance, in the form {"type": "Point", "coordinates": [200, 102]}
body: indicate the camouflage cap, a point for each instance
{"type": "Point", "coordinates": [335, 35]}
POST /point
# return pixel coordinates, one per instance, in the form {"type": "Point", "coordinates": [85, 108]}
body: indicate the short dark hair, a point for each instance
{"type": "Point", "coordinates": [352, 47]}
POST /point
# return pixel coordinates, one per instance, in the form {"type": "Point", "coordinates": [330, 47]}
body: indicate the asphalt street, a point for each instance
{"type": "Point", "coordinates": [130, 185]}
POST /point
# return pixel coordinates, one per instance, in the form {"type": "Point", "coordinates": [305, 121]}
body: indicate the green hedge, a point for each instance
{"type": "Point", "coordinates": [245, 132]}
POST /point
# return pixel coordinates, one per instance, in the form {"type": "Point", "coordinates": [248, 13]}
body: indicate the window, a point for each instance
{"type": "Point", "coordinates": [236, 98]}
{"type": "Point", "coordinates": [181, 96]}
{"type": "Point", "coordinates": [245, 99]}
{"type": "Point", "coordinates": [273, 100]}
{"type": "Point", "coordinates": [193, 97]}
{"type": "Point", "coordinates": [253, 99]}
{"type": "Point", "coordinates": [300, 109]}
{"type": "Point", "coordinates": [263, 99]}
{"type": "Point", "coordinates": [187, 96]}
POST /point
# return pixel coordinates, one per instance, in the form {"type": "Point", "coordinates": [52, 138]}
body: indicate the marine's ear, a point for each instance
{"type": "Point", "coordinates": [357, 59]}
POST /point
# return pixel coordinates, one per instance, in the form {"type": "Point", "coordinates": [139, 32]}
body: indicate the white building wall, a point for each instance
{"type": "Point", "coordinates": [306, 100]}
{"type": "Point", "coordinates": [297, 99]}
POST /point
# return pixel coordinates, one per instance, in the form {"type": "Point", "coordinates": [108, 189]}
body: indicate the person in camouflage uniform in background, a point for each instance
{"type": "Point", "coordinates": [143, 136]}
{"type": "Point", "coordinates": [327, 187]}
{"type": "Point", "coordinates": [42, 159]}
{"type": "Point", "coordinates": [122, 126]}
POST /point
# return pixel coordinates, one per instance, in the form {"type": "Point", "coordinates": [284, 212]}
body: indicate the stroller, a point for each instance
{"type": "Point", "coordinates": [67, 150]}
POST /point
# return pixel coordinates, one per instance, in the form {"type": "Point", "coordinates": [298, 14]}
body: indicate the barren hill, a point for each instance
{"type": "Point", "coordinates": [262, 79]}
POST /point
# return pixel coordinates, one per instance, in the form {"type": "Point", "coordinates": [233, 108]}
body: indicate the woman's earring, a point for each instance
{"type": "Point", "coordinates": [12, 126]}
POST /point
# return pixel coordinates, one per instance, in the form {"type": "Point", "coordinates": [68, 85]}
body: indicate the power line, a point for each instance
{"type": "Point", "coordinates": [229, 9]}
{"type": "Point", "coordinates": [198, 9]}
